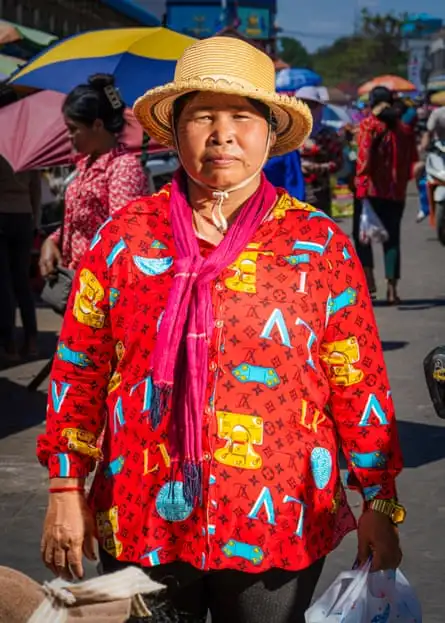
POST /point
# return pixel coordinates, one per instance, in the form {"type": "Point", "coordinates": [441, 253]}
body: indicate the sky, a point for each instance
{"type": "Point", "coordinates": [319, 22]}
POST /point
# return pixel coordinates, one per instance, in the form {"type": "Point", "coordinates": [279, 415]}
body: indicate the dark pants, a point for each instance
{"type": "Point", "coordinates": [230, 596]}
{"type": "Point", "coordinates": [390, 213]}
{"type": "Point", "coordinates": [16, 236]}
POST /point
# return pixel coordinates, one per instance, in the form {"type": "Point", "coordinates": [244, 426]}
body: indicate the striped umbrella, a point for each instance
{"type": "Point", "coordinates": [139, 59]}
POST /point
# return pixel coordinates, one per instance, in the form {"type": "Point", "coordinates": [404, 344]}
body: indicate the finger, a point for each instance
{"type": "Point", "coordinates": [60, 560]}
{"type": "Point", "coordinates": [74, 560]}
{"type": "Point", "coordinates": [48, 557]}
{"type": "Point", "coordinates": [89, 547]}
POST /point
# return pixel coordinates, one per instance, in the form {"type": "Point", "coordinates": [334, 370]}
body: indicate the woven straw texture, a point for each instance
{"type": "Point", "coordinates": [233, 67]}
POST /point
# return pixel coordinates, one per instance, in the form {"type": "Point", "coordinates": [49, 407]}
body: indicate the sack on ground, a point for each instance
{"type": "Point", "coordinates": [371, 227]}
{"type": "Point", "coordinates": [363, 597]}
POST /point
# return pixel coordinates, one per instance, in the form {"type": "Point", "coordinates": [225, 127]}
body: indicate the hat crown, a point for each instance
{"type": "Point", "coordinates": [226, 58]}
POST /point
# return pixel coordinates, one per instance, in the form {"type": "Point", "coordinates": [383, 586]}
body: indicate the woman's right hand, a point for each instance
{"type": "Point", "coordinates": [50, 257]}
{"type": "Point", "coordinates": [68, 531]}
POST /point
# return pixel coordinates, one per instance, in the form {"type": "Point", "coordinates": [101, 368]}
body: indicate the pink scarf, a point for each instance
{"type": "Point", "coordinates": [180, 359]}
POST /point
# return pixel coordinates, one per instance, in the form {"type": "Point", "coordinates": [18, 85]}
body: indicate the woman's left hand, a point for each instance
{"type": "Point", "coordinates": [378, 538]}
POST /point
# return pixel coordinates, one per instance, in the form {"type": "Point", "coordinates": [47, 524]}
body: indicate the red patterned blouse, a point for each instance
{"type": "Point", "coordinates": [97, 192]}
{"type": "Point", "coordinates": [385, 159]}
{"type": "Point", "coordinates": [296, 369]}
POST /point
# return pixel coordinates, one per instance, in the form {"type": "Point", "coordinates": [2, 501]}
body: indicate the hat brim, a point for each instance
{"type": "Point", "coordinates": [154, 111]}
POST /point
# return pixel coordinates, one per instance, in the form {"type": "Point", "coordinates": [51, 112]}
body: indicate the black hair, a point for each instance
{"type": "Point", "coordinates": [389, 115]}
{"type": "Point", "coordinates": [98, 99]}
{"type": "Point", "coordinates": [260, 107]}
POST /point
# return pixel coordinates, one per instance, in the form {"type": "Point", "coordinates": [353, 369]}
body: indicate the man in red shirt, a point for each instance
{"type": "Point", "coordinates": [220, 336]}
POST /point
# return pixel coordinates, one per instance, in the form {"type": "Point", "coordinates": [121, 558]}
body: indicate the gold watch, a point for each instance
{"type": "Point", "coordinates": [391, 508]}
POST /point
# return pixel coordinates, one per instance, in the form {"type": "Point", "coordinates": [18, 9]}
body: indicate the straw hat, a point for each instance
{"type": "Point", "coordinates": [229, 66]}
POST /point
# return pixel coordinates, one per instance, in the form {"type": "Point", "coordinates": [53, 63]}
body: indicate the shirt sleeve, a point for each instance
{"type": "Point", "coordinates": [352, 357]}
{"type": "Point", "coordinates": [80, 375]}
{"type": "Point", "coordinates": [432, 121]}
{"type": "Point", "coordinates": [127, 181]}
{"type": "Point", "coordinates": [364, 143]}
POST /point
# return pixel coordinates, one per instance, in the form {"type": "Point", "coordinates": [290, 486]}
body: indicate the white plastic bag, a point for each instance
{"type": "Point", "coordinates": [371, 227]}
{"type": "Point", "coordinates": [363, 597]}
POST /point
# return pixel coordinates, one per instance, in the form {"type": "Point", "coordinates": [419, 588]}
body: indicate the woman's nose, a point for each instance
{"type": "Point", "coordinates": [222, 133]}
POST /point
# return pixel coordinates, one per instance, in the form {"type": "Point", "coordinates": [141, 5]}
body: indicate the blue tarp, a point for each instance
{"type": "Point", "coordinates": [133, 10]}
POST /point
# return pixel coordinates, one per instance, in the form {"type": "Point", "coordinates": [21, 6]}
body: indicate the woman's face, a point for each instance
{"type": "Point", "coordinates": [85, 139]}
{"type": "Point", "coordinates": [222, 139]}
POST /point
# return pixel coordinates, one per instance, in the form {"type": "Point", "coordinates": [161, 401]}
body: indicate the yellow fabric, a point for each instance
{"type": "Point", "coordinates": [157, 43]}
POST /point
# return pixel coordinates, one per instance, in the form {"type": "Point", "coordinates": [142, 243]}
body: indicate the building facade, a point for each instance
{"type": "Point", "coordinates": [254, 20]}
{"type": "Point", "coordinates": [68, 17]}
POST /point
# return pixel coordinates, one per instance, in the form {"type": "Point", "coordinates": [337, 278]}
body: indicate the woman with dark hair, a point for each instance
{"type": "Point", "coordinates": [386, 156]}
{"type": "Point", "coordinates": [107, 176]}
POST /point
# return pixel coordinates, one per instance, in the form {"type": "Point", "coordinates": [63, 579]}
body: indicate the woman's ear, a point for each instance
{"type": "Point", "coordinates": [273, 139]}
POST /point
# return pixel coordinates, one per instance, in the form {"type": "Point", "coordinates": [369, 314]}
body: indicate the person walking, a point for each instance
{"type": "Point", "coordinates": [107, 177]}
{"type": "Point", "coordinates": [386, 157]}
{"type": "Point", "coordinates": [19, 215]}
{"type": "Point", "coordinates": [219, 334]}
{"type": "Point", "coordinates": [321, 154]}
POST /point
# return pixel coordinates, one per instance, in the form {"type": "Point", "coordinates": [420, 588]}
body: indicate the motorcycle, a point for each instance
{"type": "Point", "coordinates": [435, 172]}
{"type": "Point", "coordinates": [434, 368]}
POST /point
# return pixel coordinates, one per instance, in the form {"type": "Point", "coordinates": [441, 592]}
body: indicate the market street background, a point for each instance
{"type": "Point", "coordinates": [408, 333]}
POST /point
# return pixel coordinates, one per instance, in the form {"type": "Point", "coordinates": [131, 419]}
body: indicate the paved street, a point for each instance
{"type": "Point", "coordinates": [408, 334]}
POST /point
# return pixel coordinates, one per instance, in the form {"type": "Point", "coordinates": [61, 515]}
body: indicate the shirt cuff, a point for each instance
{"type": "Point", "coordinates": [384, 489]}
{"type": "Point", "coordinates": [69, 465]}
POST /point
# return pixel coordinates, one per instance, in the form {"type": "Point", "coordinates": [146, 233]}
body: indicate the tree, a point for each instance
{"type": "Point", "coordinates": [374, 50]}
{"type": "Point", "coordinates": [294, 53]}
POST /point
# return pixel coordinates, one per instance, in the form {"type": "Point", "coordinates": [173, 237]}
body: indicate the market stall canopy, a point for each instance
{"type": "Point", "coordinates": [332, 95]}
{"type": "Point", "coordinates": [139, 59]}
{"type": "Point", "coordinates": [9, 64]}
{"type": "Point", "coordinates": [33, 133]}
{"type": "Point", "coordinates": [336, 117]}
{"type": "Point", "coordinates": [10, 33]}
{"type": "Point", "coordinates": [293, 79]}
{"type": "Point", "coordinates": [393, 83]}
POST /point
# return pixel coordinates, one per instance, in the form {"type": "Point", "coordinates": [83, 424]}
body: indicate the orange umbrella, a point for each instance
{"type": "Point", "coordinates": [393, 83]}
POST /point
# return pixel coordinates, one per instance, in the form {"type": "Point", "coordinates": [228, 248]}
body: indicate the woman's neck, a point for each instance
{"type": "Point", "coordinates": [203, 201]}
{"type": "Point", "coordinates": [108, 143]}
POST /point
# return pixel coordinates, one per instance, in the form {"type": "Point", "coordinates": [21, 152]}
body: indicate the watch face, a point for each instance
{"type": "Point", "coordinates": [398, 515]}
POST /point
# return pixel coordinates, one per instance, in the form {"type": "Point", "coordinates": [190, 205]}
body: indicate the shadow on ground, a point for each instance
{"type": "Point", "coordinates": [20, 408]}
{"type": "Point", "coordinates": [414, 304]}
{"type": "Point", "coordinates": [393, 345]}
{"type": "Point", "coordinates": [47, 347]}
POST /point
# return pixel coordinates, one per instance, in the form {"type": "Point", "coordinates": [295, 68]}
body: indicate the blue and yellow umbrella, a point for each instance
{"type": "Point", "coordinates": [139, 59]}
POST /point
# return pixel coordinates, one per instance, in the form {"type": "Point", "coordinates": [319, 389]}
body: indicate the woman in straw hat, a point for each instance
{"type": "Point", "coordinates": [221, 335]}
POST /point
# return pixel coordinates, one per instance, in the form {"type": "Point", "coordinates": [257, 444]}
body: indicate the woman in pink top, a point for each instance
{"type": "Point", "coordinates": [107, 176]}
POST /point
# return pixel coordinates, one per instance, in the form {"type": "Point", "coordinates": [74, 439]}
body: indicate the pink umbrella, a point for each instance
{"type": "Point", "coordinates": [33, 133]}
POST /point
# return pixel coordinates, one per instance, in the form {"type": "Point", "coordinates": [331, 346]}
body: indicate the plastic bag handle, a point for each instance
{"type": "Point", "coordinates": [356, 585]}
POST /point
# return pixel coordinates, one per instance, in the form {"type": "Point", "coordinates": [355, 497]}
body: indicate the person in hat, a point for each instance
{"type": "Point", "coordinates": [220, 335]}
{"type": "Point", "coordinates": [321, 153]}
{"type": "Point", "coordinates": [386, 159]}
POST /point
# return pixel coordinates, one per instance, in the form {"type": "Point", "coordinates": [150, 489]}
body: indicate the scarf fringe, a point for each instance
{"type": "Point", "coordinates": [192, 473]}
{"type": "Point", "coordinates": [159, 404]}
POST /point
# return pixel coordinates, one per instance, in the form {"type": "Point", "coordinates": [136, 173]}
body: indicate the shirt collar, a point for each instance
{"type": "Point", "coordinates": [102, 162]}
